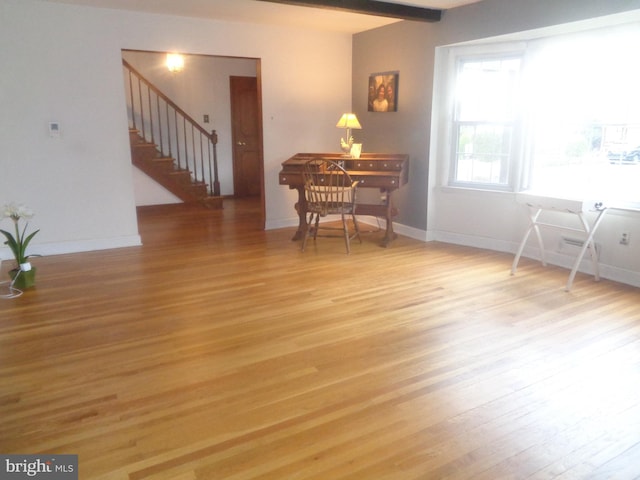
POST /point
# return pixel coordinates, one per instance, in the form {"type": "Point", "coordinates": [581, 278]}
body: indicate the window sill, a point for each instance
{"type": "Point", "coordinates": [613, 204]}
{"type": "Point", "coordinates": [456, 189]}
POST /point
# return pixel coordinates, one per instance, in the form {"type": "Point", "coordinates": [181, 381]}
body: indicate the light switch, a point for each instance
{"type": "Point", "coordinates": [54, 129]}
{"type": "Point", "coordinates": [206, 119]}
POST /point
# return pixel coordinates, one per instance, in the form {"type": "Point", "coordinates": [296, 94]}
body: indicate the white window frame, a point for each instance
{"type": "Point", "coordinates": [523, 171]}
{"type": "Point", "coordinates": [516, 164]}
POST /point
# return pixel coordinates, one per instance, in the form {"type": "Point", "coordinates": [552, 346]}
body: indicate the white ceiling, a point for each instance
{"type": "Point", "coordinates": [252, 11]}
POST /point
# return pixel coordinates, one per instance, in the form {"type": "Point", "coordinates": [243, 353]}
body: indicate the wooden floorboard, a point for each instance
{"type": "Point", "coordinates": [220, 351]}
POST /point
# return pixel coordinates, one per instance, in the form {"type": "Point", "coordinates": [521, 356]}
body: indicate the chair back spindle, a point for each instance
{"type": "Point", "coordinates": [329, 190]}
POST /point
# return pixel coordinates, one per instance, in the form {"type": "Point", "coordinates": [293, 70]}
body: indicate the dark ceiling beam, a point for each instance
{"type": "Point", "coordinates": [368, 7]}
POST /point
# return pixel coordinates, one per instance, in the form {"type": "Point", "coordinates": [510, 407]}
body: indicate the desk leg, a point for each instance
{"type": "Point", "coordinates": [301, 208]}
{"type": "Point", "coordinates": [389, 234]}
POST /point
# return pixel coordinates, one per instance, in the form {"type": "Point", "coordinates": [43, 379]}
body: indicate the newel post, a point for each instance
{"type": "Point", "coordinates": [216, 181]}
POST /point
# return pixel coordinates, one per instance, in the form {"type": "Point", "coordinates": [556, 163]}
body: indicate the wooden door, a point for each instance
{"type": "Point", "coordinates": [246, 138]}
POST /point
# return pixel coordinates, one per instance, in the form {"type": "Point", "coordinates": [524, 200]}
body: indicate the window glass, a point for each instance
{"type": "Point", "coordinates": [485, 109]}
{"type": "Point", "coordinates": [585, 112]}
{"type": "Point", "coordinates": [563, 117]}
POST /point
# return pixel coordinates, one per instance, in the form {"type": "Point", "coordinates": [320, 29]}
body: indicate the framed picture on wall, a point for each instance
{"type": "Point", "coordinates": [383, 92]}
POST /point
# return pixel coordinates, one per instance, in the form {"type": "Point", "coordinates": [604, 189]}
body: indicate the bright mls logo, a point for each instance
{"type": "Point", "coordinates": [49, 467]}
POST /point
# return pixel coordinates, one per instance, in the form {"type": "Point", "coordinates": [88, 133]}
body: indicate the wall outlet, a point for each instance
{"type": "Point", "coordinates": [624, 238]}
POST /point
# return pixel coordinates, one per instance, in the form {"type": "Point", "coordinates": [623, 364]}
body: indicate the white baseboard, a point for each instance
{"type": "Point", "coordinates": [46, 249]}
{"type": "Point", "coordinates": [553, 258]}
{"type": "Point", "coordinates": [281, 223]}
{"type": "Point", "coordinates": [410, 232]}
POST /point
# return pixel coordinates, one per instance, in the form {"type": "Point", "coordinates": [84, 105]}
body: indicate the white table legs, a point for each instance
{"type": "Point", "coordinates": [587, 230]}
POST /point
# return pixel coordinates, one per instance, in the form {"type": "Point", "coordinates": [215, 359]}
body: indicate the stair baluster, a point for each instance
{"type": "Point", "coordinates": [175, 136]}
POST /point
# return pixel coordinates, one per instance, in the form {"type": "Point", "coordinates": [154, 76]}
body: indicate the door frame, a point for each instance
{"type": "Point", "coordinates": [260, 141]}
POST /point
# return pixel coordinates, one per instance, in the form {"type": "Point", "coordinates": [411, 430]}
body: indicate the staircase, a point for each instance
{"type": "Point", "coordinates": [165, 171]}
{"type": "Point", "coordinates": [168, 145]}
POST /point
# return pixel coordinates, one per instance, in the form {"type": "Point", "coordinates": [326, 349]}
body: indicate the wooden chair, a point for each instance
{"type": "Point", "coordinates": [329, 190]}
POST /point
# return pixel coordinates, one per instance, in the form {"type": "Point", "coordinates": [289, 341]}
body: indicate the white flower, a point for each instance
{"type": "Point", "coordinates": [16, 211]}
{"type": "Point", "coordinates": [19, 241]}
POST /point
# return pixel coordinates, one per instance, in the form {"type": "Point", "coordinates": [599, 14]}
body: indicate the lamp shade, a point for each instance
{"type": "Point", "coordinates": [348, 120]}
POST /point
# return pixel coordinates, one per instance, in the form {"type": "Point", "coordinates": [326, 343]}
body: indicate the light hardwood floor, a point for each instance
{"type": "Point", "coordinates": [219, 351]}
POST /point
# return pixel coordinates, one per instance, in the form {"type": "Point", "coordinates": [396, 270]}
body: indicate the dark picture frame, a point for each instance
{"type": "Point", "coordinates": [383, 92]}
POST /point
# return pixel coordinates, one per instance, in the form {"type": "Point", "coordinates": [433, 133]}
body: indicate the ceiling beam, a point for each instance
{"type": "Point", "coordinates": [368, 7]}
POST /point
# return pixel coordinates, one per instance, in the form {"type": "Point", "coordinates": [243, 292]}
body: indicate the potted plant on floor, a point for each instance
{"type": "Point", "coordinates": [23, 276]}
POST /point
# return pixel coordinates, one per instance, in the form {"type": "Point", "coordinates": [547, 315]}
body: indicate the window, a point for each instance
{"type": "Point", "coordinates": [562, 117]}
{"type": "Point", "coordinates": [484, 118]}
{"type": "Point", "coordinates": [585, 114]}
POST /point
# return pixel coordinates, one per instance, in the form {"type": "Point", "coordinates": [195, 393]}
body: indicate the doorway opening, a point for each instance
{"type": "Point", "coordinates": [203, 89]}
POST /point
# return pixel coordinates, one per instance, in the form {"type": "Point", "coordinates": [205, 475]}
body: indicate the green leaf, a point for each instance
{"type": "Point", "coordinates": [25, 243]}
{"type": "Point", "coordinates": [19, 243]}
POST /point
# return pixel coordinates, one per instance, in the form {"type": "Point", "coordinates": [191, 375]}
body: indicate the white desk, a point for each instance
{"type": "Point", "coordinates": [536, 204]}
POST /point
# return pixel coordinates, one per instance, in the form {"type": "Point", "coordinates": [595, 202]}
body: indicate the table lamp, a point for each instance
{"type": "Point", "coordinates": [348, 121]}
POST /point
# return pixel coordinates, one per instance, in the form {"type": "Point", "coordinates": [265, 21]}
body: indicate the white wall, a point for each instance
{"type": "Point", "coordinates": [149, 192]}
{"type": "Point", "coordinates": [66, 66]}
